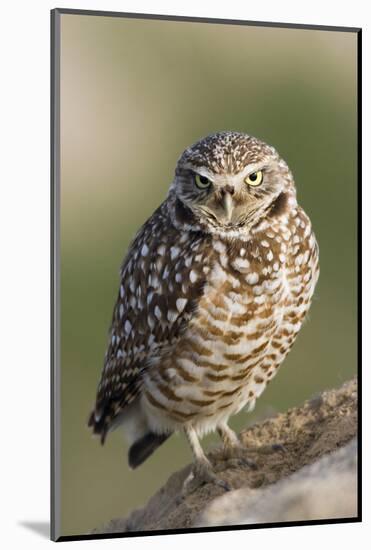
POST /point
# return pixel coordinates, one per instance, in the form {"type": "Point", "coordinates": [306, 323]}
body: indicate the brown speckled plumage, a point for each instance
{"type": "Point", "coordinates": [213, 292]}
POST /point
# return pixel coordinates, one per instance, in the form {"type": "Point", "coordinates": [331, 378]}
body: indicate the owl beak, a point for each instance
{"type": "Point", "coordinates": [228, 205]}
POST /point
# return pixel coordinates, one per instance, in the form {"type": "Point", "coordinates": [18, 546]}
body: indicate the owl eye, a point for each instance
{"type": "Point", "coordinates": [254, 179]}
{"type": "Point", "coordinates": [202, 182]}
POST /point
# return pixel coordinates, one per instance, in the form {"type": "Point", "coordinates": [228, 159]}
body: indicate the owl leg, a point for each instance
{"type": "Point", "coordinates": [229, 437]}
{"type": "Point", "coordinates": [202, 471]}
{"type": "Point", "coordinates": [233, 450]}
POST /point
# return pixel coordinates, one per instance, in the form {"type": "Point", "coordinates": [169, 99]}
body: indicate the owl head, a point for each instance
{"type": "Point", "coordinates": [229, 180]}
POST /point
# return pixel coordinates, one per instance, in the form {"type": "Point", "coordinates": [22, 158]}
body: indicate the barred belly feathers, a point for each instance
{"type": "Point", "coordinates": [214, 290]}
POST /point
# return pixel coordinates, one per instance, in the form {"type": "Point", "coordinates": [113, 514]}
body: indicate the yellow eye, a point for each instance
{"type": "Point", "coordinates": [202, 182]}
{"type": "Point", "coordinates": [254, 179]}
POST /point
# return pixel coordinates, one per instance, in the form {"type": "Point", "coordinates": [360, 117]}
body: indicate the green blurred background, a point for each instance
{"type": "Point", "coordinates": [134, 94]}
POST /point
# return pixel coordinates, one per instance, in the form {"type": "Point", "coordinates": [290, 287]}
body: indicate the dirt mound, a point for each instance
{"type": "Point", "coordinates": [301, 436]}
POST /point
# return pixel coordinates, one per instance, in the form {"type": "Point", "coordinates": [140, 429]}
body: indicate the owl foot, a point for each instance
{"type": "Point", "coordinates": [202, 474]}
{"type": "Point", "coordinates": [236, 456]}
{"type": "Point", "coordinates": [242, 461]}
{"type": "Point", "coordinates": [272, 448]}
{"type": "Point", "coordinates": [233, 450]}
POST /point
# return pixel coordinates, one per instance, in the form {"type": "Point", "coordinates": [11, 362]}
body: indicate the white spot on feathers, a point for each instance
{"type": "Point", "coordinates": [144, 250]}
{"type": "Point", "coordinates": [127, 326]}
{"type": "Point", "coordinates": [151, 322]}
{"type": "Point", "coordinates": [241, 264]}
{"type": "Point", "coordinates": [174, 252]}
{"type": "Point", "coordinates": [180, 304]}
{"type": "Point", "coordinates": [172, 316]}
{"type": "Point", "coordinates": [299, 259]}
{"type": "Point", "coordinates": [252, 278]}
{"type": "Point", "coordinates": [193, 276]}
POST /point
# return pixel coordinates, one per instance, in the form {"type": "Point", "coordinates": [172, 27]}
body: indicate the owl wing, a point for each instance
{"type": "Point", "coordinates": [162, 279]}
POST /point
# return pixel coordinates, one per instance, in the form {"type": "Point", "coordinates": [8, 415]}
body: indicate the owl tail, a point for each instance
{"type": "Point", "coordinates": [144, 447]}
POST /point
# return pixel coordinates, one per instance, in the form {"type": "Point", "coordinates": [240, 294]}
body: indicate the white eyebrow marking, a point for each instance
{"type": "Point", "coordinates": [200, 170]}
{"type": "Point", "coordinates": [251, 168]}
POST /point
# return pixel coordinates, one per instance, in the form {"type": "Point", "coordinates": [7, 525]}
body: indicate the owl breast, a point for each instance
{"type": "Point", "coordinates": [257, 293]}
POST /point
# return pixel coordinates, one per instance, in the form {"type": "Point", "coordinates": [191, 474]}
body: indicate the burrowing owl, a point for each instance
{"type": "Point", "coordinates": [214, 290]}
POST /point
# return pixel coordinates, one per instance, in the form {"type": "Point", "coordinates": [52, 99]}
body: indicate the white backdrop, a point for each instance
{"type": "Point", "coordinates": [24, 267]}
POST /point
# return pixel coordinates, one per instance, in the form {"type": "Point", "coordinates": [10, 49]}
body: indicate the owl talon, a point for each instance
{"type": "Point", "coordinates": [250, 463]}
{"type": "Point", "coordinates": [279, 447]}
{"type": "Point", "coordinates": [241, 461]}
{"type": "Point", "coordinates": [200, 475]}
{"type": "Point", "coordinates": [235, 456]}
{"type": "Point", "coordinates": [273, 448]}
{"type": "Point", "coordinates": [223, 484]}
{"type": "Point", "coordinates": [238, 462]}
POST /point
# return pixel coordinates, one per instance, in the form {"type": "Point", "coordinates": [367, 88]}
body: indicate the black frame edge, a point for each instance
{"type": "Point", "coordinates": [359, 264]}
{"type": "Point", "coordinates": [191, 19]}
{"type": "Point", "coordinates": [54, 275]}
{"type": "Point", "coordinates": [191, 530]}
{"type": "Point", "coordinates": [52, 308]}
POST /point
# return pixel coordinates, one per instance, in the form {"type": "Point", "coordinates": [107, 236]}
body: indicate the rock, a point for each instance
{"type": "Point", "coordinates": [301, 437]}
{"type": "Point", "coordinates": [326, 489]}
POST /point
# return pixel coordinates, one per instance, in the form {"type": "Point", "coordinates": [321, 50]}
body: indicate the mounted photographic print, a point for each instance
{"type": "Point", "coordinates": [205, 187]}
